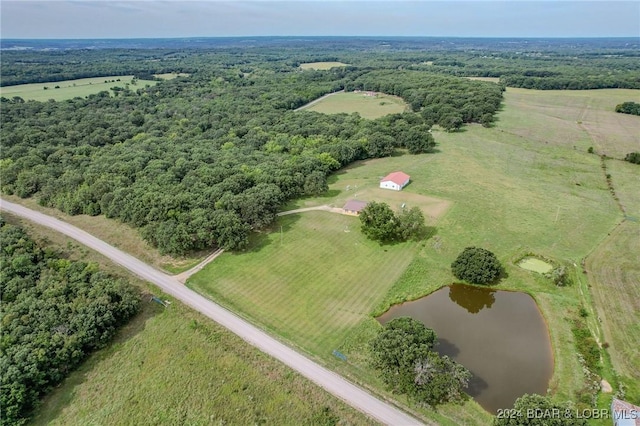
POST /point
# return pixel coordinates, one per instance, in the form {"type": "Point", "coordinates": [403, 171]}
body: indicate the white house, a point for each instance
{"type": "Point", "coordinates": [395, 181]}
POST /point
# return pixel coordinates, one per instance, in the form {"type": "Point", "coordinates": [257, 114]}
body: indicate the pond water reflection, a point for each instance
{"type": "Point", "coordinates": [500, 336]}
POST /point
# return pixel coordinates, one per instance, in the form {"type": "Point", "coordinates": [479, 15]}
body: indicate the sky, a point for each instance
{"type": "Point", "coordinates": [215, 18]}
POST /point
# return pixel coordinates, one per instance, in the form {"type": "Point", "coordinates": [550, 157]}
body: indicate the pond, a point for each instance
{"type": "Point", "coordinates": [500, 336]}
{"type": "Point", "coordinates": [536, 265]}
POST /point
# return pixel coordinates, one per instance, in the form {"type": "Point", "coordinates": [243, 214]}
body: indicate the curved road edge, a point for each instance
{"type": "Point", "coordinates": [333, 383]}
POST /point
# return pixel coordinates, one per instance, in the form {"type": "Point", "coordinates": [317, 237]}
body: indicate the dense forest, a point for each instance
{"type": "Point", "coordinates": [529, 63]}
{"type": "Point", "coordinates": [203, 160]}
{"type": "Point", "coordinates": [55, 312]}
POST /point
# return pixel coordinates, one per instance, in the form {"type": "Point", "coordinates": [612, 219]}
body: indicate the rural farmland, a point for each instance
{"type": "Point", "coordinates": [522, 198]}
{"type": "Point", "coordinates": [69, 89]}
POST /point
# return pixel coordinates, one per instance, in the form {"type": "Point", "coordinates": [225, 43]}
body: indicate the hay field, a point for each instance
{"type": "Point", "coordinates": [367, 106]}
{"type": "Point", "coordinates": [614, 277]}
{"type": "Point", "coordinates": [573, 118]}
{"type": "Point", "coordinates": [69, 89]}
{"type": "Point", "coordinates": [321, 65]}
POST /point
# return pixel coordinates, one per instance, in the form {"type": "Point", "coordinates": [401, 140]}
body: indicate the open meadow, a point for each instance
{"type": "Point", "coordinates": [186, 370]}
{"type": "Point", "coordinates": [365, 104]}
{"type": "Point", "coordinates": [517, 188]}
{"type": "Point", "coordinates": [69, 89]}
{"type": "Point", "coordinates": [321, 65]}
{"type": "Point", "coordinates": [574, 119]}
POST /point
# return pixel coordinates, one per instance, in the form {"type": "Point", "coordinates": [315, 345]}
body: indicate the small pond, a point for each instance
{"type": "Point", "coordinates": [500, 336]}
{"type": "Point", "coordinates": [536, 265]}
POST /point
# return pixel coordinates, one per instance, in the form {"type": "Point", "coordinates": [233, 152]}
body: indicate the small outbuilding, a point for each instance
{"type": "Point", "coordinates": [395, 181]}
{"type": "Point", "coordinates": [354, 207]}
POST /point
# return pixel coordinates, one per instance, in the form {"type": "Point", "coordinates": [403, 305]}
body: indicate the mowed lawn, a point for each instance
{"type": "Point", "coordinates": [312, 283]}
{"type": "Point", "coordinates": [367, 106]}
{"type": "Point", "coordinates": [321, 65]}
{"type": "Point", "coordinates": [69, 89]}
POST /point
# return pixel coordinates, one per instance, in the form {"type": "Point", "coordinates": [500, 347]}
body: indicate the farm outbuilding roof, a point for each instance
{"type": "Point", "coordinates": [355, 205]}
{"type": "Point", "coordinates": [396, 177]}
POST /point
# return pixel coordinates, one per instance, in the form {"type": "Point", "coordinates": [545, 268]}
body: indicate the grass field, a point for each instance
{"type": "Point", "coordinates": [614, 278]}
{"type": "Point", "coordinates": [313, 283]}
{"type": "Point", "coordinates": [171, 75]}
{"type": "Point", "coordinates": [573, 118]}
{"type": "Point", "coordinates": [367, 106]}
{"type": "Point", "coordinates": [517, 188]}
{"type": "Point", "coordinates": [70, 89]}
{"type": "Point", "coordinates": [174, 366]}
{"type": "Point", "coordinates": [321, 65]}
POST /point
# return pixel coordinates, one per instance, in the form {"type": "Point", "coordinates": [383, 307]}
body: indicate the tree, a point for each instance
{"type": "Point", "coordinates": [403, 353]}
{"type": "Point", "coordinates": [419, 140]}
{"type": "Point", "coordinates": [411, 224]}
{"type": "Point", "coordinates": [628, 108]}
{"type": "Point", "coordinates": [439, 380]}
{"type": "Point", "coordinates": [379, 222]}
{"type": "Point", "coordinates": [476, 265]}
{"type": "Point", "coordinates": [633, 157]}
{"type": "Point", "coordinates": [315, 183]}
{"type": "Point", "coordinates": [398, 347]}
{"type": "Point", "coordinates": [538, 410]}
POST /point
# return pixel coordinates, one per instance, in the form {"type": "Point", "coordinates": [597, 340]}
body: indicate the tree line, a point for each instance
{"type": "Point", "coordinates": [203, 161]}
{"type": "Point", "coordinates": [55, 312]}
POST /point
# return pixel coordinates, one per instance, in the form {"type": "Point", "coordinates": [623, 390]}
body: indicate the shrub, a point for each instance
{"type": "Point", "coordinates": [476, 265]}
{"type": "Point", "coordinates": [633, 157]}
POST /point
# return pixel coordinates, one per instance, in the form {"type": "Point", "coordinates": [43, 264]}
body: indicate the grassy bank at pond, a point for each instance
{"type": "Point", "coordinates": [508, 191]}
{"type": "Point", "coordinates": [69, 89]}
{"type": "Point", "coordinates": [321, 65]}
{"type": "Point", "coordinates": [175, 366]}
{"type": "Point", "coordinates": [367, 106]}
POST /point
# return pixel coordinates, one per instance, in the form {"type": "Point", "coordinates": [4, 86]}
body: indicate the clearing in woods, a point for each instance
{"type": "Point", "coordinates": [69, 89]}
{"type": "Point", "coordinates": [367, 104]}
{"type": "Point", "coordinates": [321, 65]}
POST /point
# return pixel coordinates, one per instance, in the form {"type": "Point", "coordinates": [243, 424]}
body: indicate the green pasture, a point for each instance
{"type": "Point", "coordinates": [69, 89]}
{"type": "Point", "coordinates": [321, 65]}
{"type": "Point", "coordinates": [510, 190]}
{"type": "Point", "coordinates": [367, 106]}
{"type": "Point", "coordinates": [573, 119]}
{"type": "Point", "coordinates": [614, 277]}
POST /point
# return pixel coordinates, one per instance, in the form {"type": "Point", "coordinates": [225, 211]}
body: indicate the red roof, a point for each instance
{"type": "Point", "coordinates": [396, 177]}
